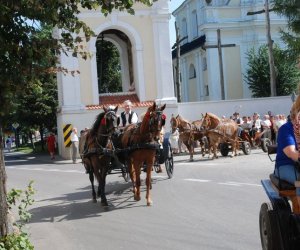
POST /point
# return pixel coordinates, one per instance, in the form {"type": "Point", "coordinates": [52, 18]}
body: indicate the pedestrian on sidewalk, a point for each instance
{"type": "Point", "coordinates": [8, 143]}
{"type": "Point", "coordinates": [75, 143]}
{"type": "Point", "coordinates": [51, 144]}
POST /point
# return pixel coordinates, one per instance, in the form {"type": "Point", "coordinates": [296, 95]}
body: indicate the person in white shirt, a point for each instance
{"type": "Point", "coordinates": [128, 116]}
{"type": "Point", "coordinates": [256, 125]}
{"type": "Point", "coordinates": [266, 127]}
{"type": "Point", "coordinates": [75, 142]}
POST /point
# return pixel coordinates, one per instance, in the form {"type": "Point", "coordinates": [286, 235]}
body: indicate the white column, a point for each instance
{"type": "Point", "coordinates": [199, 79]}
{"type": "Point", "coordinates": [213, 74]}
{"type": "Point", "coordinates": [163, 59]}
{"type": "Point", "coordinates": [70, 85]}
{"type": "Point", "coordinates": [94, 74]}
{"type": "Point", "coordinates": [184, 80]}
{"type": "Point", "coordinates": [139, 72]}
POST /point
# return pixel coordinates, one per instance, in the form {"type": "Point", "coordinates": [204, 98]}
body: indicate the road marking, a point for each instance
{"type": "Point", "coordinates": [197, 180]}
{"type": "Point", "coordinates": [232, 183]}
{"type": "Point", "coordinates": [228, 183]}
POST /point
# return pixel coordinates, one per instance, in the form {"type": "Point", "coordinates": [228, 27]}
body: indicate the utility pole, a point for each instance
{"type": "Point", "coordinates": [177, 68]}
{"type": "Point", "coordinates": [219, 46]}
{"type": "Point", "coordinates": [270, 46]}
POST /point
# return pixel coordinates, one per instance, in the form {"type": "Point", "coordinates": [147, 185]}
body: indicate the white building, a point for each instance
{"type": "Point", "coordinates": [142, 41]}
{"type": "Point", "coordinates": [146, 67]}
{"type": "Point", "coordinates": [199, 20]}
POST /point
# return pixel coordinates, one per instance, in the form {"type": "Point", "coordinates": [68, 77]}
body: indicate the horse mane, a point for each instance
{"type": "Point", "coordinates": [96, 124]}
{"type": "Point", "coordinates": [213, 116]}
{"type": "Point", "coordinates": [143, 127]}
{"type": "Point", "coordinates": [183, 119]}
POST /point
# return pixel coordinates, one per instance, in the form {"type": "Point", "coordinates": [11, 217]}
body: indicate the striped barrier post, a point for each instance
{"type": "Point", "coordinates": [67, 130]}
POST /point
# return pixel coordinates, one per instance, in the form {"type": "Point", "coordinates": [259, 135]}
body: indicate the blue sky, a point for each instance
{"type": "Point", "coordinates": [174, 4]}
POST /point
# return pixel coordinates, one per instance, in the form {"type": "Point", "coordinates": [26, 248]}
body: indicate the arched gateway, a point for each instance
{"type": "Point", "coordinates": [143, 67]}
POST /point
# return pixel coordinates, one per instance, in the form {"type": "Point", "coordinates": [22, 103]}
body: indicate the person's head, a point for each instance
{"type": "Point", "coordinates": [295, 110]}
{"type": "Point", "coordinates": [255, 116]}
{"type": "Point", "coordinates": [245, 119]}
{"type": "Point", "coordinates": [74, 130]}
{"type": "Point", "coordinates": [127, 106]}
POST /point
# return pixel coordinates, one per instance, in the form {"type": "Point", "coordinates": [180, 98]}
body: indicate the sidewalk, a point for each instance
{"type": "Point", "coordinates": [41, 157]}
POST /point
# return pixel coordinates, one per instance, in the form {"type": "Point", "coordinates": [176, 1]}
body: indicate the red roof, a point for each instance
{"type": "Point", "coordinates": [117, 99]}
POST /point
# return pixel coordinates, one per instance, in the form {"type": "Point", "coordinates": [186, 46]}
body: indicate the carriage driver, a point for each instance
{"type": "Point", "coordinates": [128, 116]}
{"type": "Point", "coordinates": [288, 145]}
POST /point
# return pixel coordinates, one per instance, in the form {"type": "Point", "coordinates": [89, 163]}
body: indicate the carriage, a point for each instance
{"type": "Point", "coordinates": [105, 150]}
{"type": "Point", "coordinates": [164, 155]}
{"type": "Point", "coordinates": [260, 139]}
{"type": "Point", "coordinates": [223, 134]}
{"type": "Point", "coordinates": [279, 219]}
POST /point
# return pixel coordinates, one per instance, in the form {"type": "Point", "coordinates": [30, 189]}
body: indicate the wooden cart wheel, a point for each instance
{"type": "Point", "coordinates": [169, 162]}
{"type": "Point", "coordinates": [268, 226]}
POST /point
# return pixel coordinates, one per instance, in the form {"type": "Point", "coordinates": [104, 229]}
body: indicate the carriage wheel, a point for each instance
{"type": "Point", "coordinates": [169, 163]}
{"type": "Point", "coordinates": [265, 142]}
{"type": "Point", "coordinates": [268, 227]}
{"type": "Point", "coordinates": [224, 149]}
{"type": "Point", "coordinates": [125, 172]}
{"type": "Point", "coordinates": [246, 147]}
{"type": "Point", "coordinates": [293, 232]}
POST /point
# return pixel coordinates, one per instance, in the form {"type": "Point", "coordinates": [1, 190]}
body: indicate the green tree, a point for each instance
{"type": "Point", "coordinates": [258, 77]}
{"type": "Point", "coordinates": [291, 10]}
{"type": "Point", "coordinates": [109, 68]}
{"type": "Point", "coordinates": [23, 51]}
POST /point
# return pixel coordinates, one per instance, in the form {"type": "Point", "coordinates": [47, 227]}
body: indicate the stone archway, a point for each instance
{"type": "Point", "coordinates": [109, 43]}
{"type": "Point", "coordinates": [137, 82]}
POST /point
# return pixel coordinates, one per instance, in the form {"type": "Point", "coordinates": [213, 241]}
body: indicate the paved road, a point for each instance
{"type": "Point", "coordinates": [208, 204]}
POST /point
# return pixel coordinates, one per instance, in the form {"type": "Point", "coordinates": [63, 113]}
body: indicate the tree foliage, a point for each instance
{"type": "Point", "coordinates": [108, 67]}
{"type": "Point", "coordinates": [25, 49]}
{"type": "Point", "coordinates": [258, 72]}
{"type": "Point", "coordinates": [291, 10]}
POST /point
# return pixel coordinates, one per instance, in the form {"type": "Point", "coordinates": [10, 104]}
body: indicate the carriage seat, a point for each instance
{"type": "Point", "coordinates": [281, 184]}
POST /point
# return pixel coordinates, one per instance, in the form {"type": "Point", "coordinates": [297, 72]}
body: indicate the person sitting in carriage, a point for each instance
{"type": "Point", "coordinates": [128, 116]}
{"type": "Point", "coordinates": [288, 145]}
{"type": "Point", "coordinates": [256, 125]}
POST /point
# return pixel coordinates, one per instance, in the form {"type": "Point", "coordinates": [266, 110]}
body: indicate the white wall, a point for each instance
{"type": "Point", "coordinates": [278, 105]}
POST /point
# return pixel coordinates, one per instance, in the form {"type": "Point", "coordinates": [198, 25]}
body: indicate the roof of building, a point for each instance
{"type": "Point", "coordinates": [117, 99]}
{"type": "Point", "coordinates": [187, 47]}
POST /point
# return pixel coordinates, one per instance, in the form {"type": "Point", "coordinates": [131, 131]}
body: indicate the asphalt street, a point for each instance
{"type": "Point", "coordinates": [208, 204]}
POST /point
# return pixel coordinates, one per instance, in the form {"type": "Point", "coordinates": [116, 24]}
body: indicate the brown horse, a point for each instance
{"type": "Point", "coordinates": [142, 140]}
{"type": "Point", "coordinates": [225, 127]}
{"type": "Point", "coordinates": [189, 133]}
{"type": "Point", "coordinates": [96, 150]}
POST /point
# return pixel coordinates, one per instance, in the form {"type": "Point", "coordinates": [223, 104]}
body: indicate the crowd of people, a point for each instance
{"type": "Point", "coordinates": [269, 123]}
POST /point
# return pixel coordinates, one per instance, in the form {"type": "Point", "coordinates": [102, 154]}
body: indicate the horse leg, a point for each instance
{"type": "Point", "coordinates": [137, 169]}
{"type": "Point", "coordinates": [91, 176]}
{"type": "Point", "coordinates": [132, 175]}
{"type": "Point", "coordinates": [191, 151]}
{"type": "Point", "coordinates": [102, 187]}
{"type": "Point", "coordinates": [148, 182]}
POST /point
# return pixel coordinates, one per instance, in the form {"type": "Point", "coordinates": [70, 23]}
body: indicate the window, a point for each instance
{"type": "Point", "coordinates": [194, 24]}
{"type": "Point", "coordinates": [184, 29]}
{"type": "Point", "coordinates": [192, 72]}
{"type": "Point", "coordinates": [204, 64]}
{"type": "Point", "coordinates": [206, 90]}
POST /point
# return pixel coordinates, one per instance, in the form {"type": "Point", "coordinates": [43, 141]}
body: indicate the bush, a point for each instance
{"type": "Point", "coordinates": [21, 200]}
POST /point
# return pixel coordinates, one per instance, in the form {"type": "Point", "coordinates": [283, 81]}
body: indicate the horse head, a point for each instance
{"type": "Point", "coordinates": [110, 119]}
{"type": "Point", "coordinates": [206, 122]}
{"type": "Point", "coordinates": [154, 120]}
{"type": "Point", "coordinates": [173, 123]}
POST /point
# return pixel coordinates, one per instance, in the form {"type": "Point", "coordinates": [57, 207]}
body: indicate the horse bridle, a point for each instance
{"type": "Point", "coordinates": [155, 116]}
{"type": "Point", "coordinates": [207, 122]}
